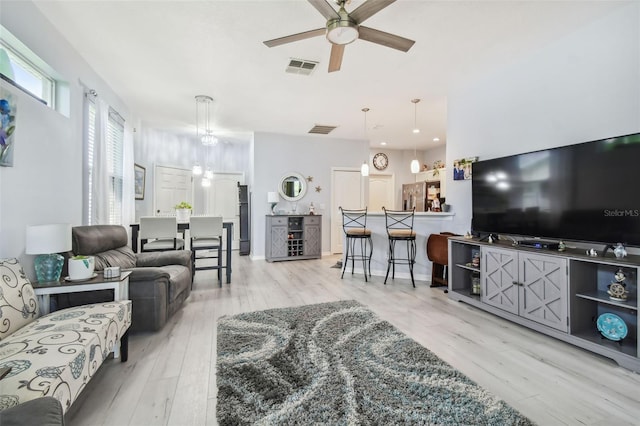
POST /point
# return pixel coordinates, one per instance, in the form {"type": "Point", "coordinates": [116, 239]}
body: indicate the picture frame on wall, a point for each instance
{"type": "Point", "coordinates": [462, 168]}
{"type": "Point", "coordinates": [139, 176]}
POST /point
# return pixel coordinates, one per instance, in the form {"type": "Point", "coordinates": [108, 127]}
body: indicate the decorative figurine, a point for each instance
{"type": "Point", "coordinates": [617, 289]}
{"type": "Point", "coordinates": [592, 252]}
{"type": "Point", "coordinates": [561, 246]}
{"type": "Point", "coordinates": [311, 209]}
{"type": "Point", "coordinates": [619, 251]}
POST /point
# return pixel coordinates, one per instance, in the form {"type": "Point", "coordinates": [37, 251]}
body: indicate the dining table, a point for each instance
{"type": "Point", "coordinates": [182, 227]}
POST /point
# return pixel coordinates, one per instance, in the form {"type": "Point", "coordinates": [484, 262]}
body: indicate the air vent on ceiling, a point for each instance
{"type": "Point", "coordinates": [301, 66]}
{"type": "Point", "coordinates": [321, 129]}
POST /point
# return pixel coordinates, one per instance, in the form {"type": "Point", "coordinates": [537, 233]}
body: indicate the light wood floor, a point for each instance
{"type": "Point", "coordinates": [170, 376]}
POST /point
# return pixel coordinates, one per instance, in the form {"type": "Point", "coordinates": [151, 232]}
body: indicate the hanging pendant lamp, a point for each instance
{"type": "Point", "coordinates": [364, 169]}
{"type": "Point", "coordinates": [415, 164]}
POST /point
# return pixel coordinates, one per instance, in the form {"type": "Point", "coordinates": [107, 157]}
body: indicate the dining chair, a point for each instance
{"type": "Point", "coordinates": [400, 229]}
{"type": "Point", "coordinates": [206, 236]}
{"type": "Point", "coordinates": [438, 254]}
{"type": "Point", "coordinates": [159, 234]}
{"type": "Point", "coordinates": [354, 225]}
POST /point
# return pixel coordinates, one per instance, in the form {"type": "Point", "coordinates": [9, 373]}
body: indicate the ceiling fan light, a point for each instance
{"type": "Point", "coordinates": [415, 166]}
{"type": "Point", "coordinates": [197, 169]}
{"type": "Point", "coordinates": [208, 174]}
{"type": "Point", "coordinates": [206, 183]}
{"type": "Point", "coordinates": [342, 31]}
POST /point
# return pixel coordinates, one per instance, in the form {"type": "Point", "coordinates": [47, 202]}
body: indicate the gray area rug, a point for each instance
{"type": "Point", "coordinates": [338, 363]}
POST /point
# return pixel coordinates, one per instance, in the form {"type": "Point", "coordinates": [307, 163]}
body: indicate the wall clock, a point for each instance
{"type": "Point", "coordinates": [380, 161]}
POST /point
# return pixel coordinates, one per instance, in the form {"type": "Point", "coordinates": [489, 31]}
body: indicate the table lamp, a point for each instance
{"type": "Point", "coordinates": [274, 199]}
{"type": "Point", "coordinates": [47, 241]}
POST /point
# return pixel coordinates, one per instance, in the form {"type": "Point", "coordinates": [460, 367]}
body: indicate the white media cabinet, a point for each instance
{"type": "Point", "coordinates": [560, 294]}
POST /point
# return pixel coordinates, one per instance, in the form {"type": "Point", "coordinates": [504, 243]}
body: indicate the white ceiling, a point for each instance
{"type": "Point", "coordinates": [157, 55]}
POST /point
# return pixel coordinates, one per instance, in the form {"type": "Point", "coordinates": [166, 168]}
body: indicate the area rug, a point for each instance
{"type": "Point", "coordinates": [339, 364]}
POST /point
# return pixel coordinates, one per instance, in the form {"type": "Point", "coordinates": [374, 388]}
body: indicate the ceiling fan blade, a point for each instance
{"type": "Point", "coordinates": [368, 9]}
{"type": "Point", "coordinates": [380, 37]}
{"type": "Point", "coordinates": [295, 37]}
{"type": "Point", "coordinates": [325, 8]}
{"type": "Point", "coordinates": [337, 50]}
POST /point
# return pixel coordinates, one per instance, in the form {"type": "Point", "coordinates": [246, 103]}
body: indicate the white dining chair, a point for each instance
{"type": "Point", "coordinates": [159, 234]}
{"type": "Point", "coordinates": [206, 236]}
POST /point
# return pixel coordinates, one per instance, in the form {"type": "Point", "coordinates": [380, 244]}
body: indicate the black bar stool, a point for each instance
{"type": "Point", "coordinates": [354, 224]}
{"type": "Point", "coordinates": [400, 228]}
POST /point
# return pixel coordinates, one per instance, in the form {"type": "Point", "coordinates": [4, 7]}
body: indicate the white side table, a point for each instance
{"type": "Point", "coordinates": [119, 285]}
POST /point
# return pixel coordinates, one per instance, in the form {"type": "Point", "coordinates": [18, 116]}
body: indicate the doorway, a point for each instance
{"type": "Point", "coordinates": [381, 192]}
{"type": "Point", "coordinates": [172, 185]}
{"type": "Point", "coordinates": [347, 189]}
{"type": "Point", "coordinates": [222, 200]}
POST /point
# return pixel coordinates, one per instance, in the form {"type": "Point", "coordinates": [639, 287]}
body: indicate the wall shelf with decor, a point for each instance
{"type": "Point", "coordinates": [589, 302]}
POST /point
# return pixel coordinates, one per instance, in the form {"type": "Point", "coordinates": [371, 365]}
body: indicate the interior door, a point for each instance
{"type": "Point", "coordinates": [172, 185]}
{"type": "Point", "coordinates": [222, 200]}
{"type": "Point", "coordinates": [347, 189]}
{"type": "Point", "coordinates": [381, 193]}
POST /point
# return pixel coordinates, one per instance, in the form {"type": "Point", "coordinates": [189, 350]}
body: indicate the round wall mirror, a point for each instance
{"type": "Point", "coordinates": [292, 187]}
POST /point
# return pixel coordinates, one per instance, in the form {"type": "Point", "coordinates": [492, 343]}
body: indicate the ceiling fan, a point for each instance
{"type": "Point", "coordinates": [343, 28]}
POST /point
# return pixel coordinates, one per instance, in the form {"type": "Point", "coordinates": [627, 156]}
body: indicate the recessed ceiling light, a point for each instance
{"type": "Point", "coordinates": [383, 143]}
{"type": "Point", "coordinates": [436, 139]}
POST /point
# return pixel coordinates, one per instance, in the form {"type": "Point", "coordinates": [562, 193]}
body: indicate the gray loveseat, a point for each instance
{"type": "Point", "coordinates": [159, 282]}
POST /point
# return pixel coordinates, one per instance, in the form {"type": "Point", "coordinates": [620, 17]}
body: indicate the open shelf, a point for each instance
{"type": "Point", "coordinates": [603, 297]}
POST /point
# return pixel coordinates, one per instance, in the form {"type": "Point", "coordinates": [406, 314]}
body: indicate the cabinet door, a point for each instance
{"type": "Point", "coordinates": [544, 291]}
{"type": "Point", "coordinates": [312, 239]}
{"type": "Point", "coordinates": [278, 241]}
{"type": "Point", "coordinates": [499, 274]}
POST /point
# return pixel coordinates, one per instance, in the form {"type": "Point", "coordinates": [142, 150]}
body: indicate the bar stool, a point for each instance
{"type": "Point", "coordinates": [354, 224]}
{"type": "Point", "coordinates": [400, 228]}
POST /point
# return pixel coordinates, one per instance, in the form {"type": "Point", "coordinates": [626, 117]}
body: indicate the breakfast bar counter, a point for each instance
{"type": "Point", "coordinates": [425, 223]}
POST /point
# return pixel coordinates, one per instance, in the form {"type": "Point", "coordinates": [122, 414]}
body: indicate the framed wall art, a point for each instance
{"type": "Point", "coordinates": [139, 176]}
{"type": "Point", "coordinates": [462, 168]}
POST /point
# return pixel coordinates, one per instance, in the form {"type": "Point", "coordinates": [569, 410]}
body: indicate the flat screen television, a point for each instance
{"type": "Point", "coordinates": [584, 192]}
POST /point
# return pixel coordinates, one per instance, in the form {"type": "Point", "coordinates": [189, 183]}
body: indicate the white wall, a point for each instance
{"type": "Point", "coordinates": [274, 155]}
{"type": "Point", "coordinates": [45, 183]}
{"type": "Point", "coordinates": [156, 147]}
{"type": "Point", "coordinates": [583, 87]}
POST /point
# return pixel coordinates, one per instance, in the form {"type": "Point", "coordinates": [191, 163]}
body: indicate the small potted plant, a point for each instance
{"type": "Point", "coordinates": [183, 211]}
{"type": "Point", "coordinates": [81, 267]}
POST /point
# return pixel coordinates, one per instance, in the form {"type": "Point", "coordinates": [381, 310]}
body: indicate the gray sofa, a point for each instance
{"type": "Point", "coordinates": [159, 283]}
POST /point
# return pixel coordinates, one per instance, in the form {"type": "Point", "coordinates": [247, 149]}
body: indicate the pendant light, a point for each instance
{"type": "Point", "coordinates": [364, 169]}
{"type": "Point", "coordinates": [204, 133]}
{"type": "Point", "coordinates": [415, 164]}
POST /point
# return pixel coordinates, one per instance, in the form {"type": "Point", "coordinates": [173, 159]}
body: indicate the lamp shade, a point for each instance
{"type": "Point", "coordinates": [273, 197]}
{"type": "Point", "coordinates": [47, 239]}
{"type": "Point", "coordinates": [364, 169]}
{"type": "Point", "coordinates": [415, 166]}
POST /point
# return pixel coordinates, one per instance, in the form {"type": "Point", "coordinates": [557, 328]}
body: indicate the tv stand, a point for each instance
{"type": "Point", "coordinates": [560, 294]}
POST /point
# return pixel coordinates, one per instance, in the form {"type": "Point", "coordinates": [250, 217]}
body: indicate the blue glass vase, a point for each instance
{"type": "Point", "coordinates": [48, 267]}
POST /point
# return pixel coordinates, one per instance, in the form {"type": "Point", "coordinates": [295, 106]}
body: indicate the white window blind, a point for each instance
{"type": "Point", "coordinates": [114, 164]}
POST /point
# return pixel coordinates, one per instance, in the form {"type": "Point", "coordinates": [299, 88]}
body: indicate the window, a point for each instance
{"type": "Point", "coordinates": [22, 68]}
{"type": "Point", "coordinates": [112, 164]}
